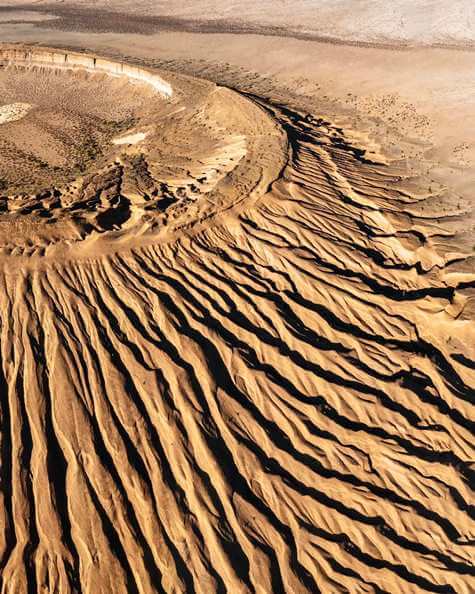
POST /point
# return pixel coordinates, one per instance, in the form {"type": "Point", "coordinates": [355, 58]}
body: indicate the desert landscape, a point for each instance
{"type": "Point", "coordinates": [237, 268]}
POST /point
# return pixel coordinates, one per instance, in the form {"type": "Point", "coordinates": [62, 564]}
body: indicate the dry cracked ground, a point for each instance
{"type": "Point", "coordinates": [237, 345]}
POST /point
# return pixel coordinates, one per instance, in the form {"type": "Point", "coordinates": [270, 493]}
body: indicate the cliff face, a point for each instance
{"type": "Point", "coordinates": [51, 58]}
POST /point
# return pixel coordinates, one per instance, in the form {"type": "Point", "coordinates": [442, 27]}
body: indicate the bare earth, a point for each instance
{"type": "Point", "coordinates": [237, 298]}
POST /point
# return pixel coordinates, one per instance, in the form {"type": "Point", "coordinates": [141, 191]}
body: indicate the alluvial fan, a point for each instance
{"type": "Point", "coordinates": [237, 356]}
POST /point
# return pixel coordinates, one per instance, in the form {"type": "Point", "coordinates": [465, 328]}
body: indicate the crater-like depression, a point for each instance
{"type": "Point", "coordinates": [92, 148]}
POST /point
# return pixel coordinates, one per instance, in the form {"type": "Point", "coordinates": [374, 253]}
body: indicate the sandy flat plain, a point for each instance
{"type": "Point", "coordinates": [237, 269]}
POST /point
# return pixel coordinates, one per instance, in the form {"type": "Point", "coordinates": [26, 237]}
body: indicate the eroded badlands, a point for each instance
{"type": "Point", "coordinates": [237, 349]}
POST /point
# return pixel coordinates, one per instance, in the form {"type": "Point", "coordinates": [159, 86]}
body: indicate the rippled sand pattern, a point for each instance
{"type": "Point", "coordinates": [277, 399]}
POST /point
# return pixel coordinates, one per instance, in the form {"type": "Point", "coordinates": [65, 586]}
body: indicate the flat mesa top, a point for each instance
{"type": "Point", "coordinates": [56, 124]}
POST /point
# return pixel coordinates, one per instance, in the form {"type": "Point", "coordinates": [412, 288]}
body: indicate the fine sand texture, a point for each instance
{"type": "Point", "coordinates": [425, 22]}
{"type": "Point", "coordinates": [236, 331]}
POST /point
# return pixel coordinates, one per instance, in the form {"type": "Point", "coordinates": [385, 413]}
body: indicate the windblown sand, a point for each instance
{"type": "Point", "coordinates": [237, 345]}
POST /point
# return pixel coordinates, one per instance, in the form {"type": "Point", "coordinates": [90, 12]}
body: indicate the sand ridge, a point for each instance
{"type": "Point", "coordinates": [264, 385]}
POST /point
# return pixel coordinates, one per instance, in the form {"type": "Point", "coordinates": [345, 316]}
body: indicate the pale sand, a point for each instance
{"type": "Point", "coordinates": [239, 355]}
{"type": "Point", "coordinates": [13, 112]}
{"type": "Point", "coordinates": [400, 21]}
{"type": "Point", "coordinates": [130, 138]}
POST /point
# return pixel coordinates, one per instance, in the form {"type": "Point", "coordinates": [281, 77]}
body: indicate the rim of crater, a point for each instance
{"type": "Point", "coordinates": [22, 54]}
{"type": "Point", "coordinates": [12, 54]}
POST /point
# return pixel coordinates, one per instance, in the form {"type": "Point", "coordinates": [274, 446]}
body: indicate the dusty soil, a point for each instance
{"type": "Point", "coordinates": [367, 22]}
{"type": "Point", "coordinates": [237, 343]}
{"type": "Point", "coordinates": [65, 124]}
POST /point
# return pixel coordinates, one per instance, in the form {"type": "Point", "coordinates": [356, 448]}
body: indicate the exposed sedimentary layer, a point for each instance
{"type": "Point", "coordinates": [44, 58]}
{"type": "Point", "coordinates": [263, 382]}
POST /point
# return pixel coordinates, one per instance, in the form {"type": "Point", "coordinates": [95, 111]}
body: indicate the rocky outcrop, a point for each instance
{"type": "Point", "coordinates": [51, 58]}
